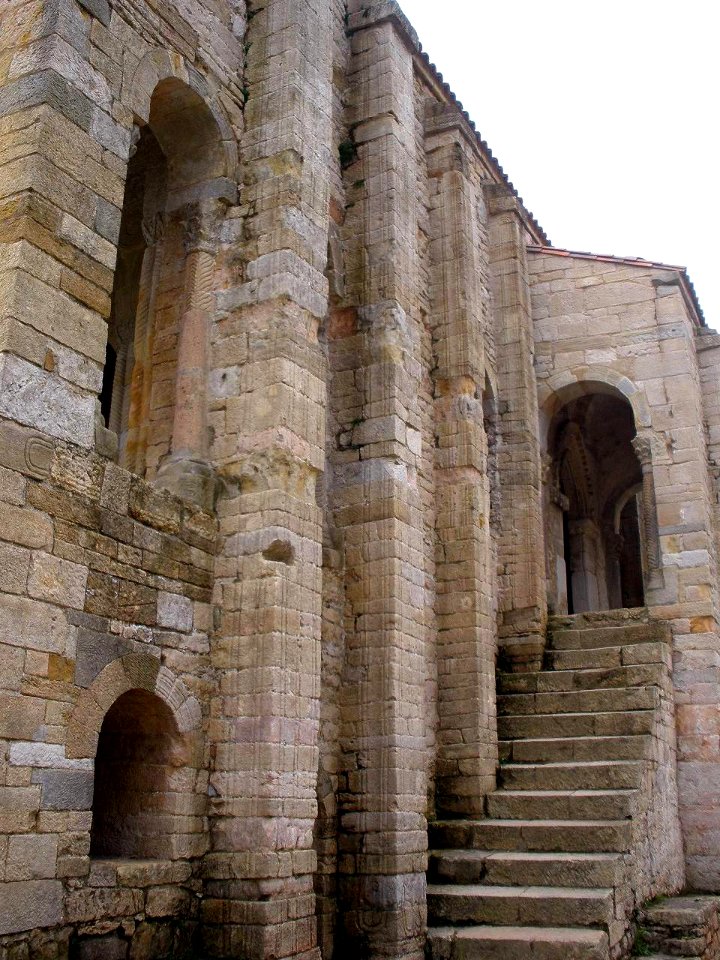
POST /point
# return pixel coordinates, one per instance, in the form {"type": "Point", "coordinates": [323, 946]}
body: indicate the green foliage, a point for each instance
{"type": "Point", "coordinates": [641, 947]}
{"type": "Point", "coordinates": [348, 153]}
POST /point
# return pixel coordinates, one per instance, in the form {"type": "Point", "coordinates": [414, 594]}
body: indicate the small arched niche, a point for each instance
{"type": "Point", "coordinates": [175, 178]}
{"type": "Point", "coordinates": [141, 767]}
{"type": "Point", "coordinates": [592, 514]}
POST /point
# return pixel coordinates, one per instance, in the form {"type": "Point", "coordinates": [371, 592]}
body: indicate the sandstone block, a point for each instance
{"type": "Point", "coordinates": [33, 397]}
{"type": "Point", "coordinates": [12, 486]}
{"type": "Point", "coordinates": [58, 581]}
{"type": "Point", "coordinates": [166, 902]}
{"type": "Point", "coordinates": [14, 566]}
{"type": "Point", "coordinates": [11, 667]}
{"type": "Point", "coordinates": [26, 527]}
{"type": "Point", "coordinates": [31, 857]}
{"type": "Point", "coordinates": [113, 946]}
{"type": "Point", "coordinates": [99, 903]}
{"type": "Point", "coordinates": [175, 611]}
{"type": "Point", "coordinates": [29, 623]}
{"type": "Point", "coordinates": [20, 717]}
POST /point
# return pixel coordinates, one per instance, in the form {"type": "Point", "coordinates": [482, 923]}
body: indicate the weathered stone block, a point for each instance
{"type": "Point", "coordinates": [111, 947]}
{"type": "Point", "coordinates": [31, 857]}
{"type": "Point", "coordinates": [33, 397]}
{"type": "Point", "coordinates": [65, 789]}
{"type": "Point", "coordinates": [94, 651]}
{"type": "Point", "coordinates": [99, 903]}
{"type": "Point", "coordinates": [20, 717]}
{"type": "Point", "coordinates": [29, 623]}
{"type": "Point", "coordinates": [26, 527]}
{"type": "Point", "coordinates": [175, 611]}
{"type": "Point", "coordinates": [166, 902]}
{"type": "Point", "coordinates": [29, 905]}
{"type": "Point", "coordinates": [14, 566]}
{"type": "Point", "coordinates": [58, 581]}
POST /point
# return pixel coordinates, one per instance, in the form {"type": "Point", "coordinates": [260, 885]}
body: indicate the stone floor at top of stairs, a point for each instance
{"type": "Point", "coordinates": [517, 943]}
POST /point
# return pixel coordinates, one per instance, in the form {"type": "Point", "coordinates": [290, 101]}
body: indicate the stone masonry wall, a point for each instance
{"type": "Point", "coordinates": [107, 581]}
{"type": "Point", "coordinates": [107, 586]}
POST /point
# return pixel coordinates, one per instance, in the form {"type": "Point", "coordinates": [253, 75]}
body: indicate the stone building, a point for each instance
{"type": "Point", "coordinates": [309, 443]}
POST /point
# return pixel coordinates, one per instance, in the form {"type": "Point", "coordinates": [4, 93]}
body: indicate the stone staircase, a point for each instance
{"type": "Point", "coordinates": [555, 871]}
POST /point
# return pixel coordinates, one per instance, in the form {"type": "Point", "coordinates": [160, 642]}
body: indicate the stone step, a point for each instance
{"type": "Point", "coordinates": [558, 680]}
{"type": "Point", "coordinates": [578, 701]}
{"type": "Point", "coordinates": [616, 723]}
{"type": "Point", "coordinates": [508, 868]}
{"type": "Point", "coordinates": [545, 906]}
{"type": "Point", "coordinates": [565, 638]}
{"type": "Point", "coordinates": [606, 658]}
{"type": "Point", "coordinates": [516, 943]}
{"type": "Point", "coordinates": [568, 836]}
{"type": "Point", "coordinates": [562, 804]}
{"type": "Point", "coordinates": [667, 956]}
{"type": "Point", "coordinates": [587, 775]}
{"type": "Point", "coordinates": [557, 749]}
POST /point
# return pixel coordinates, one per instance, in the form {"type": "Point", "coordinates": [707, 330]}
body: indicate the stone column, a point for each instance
{"type": "Point", "coordinates": [521, 552]}
{"type": "Point", "coordinates": [466, 647]}
{"type": "Point", "coordinates": [187, 471]}
{"type": "Point", "coordinates": [614, 545]}
{"type": "Point", "coordinates": [269, 381]}
{"type": "Point", "coordinates": [132, 454]}
{"type": "Point", "coordinates": [584, 565]}
{"type": "Point", "coordinates": [642, 445]}
{"type": "Point", "coordinates": [383, 837]}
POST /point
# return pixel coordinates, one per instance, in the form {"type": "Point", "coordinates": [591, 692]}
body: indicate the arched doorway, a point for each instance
{"type": "Point", "coordinates": [141, 767]}
{"type": "Point", "coordinates": [592, 504]}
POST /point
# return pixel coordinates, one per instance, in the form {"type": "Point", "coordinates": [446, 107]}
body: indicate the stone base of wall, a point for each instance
{"type": "Point", "coordinates": [126, 910]}
{"type": "Point", "coordinates": [686, 926]}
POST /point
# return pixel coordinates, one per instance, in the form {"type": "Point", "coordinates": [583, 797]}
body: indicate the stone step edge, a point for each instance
{"type": "Point", "coordinates": [571, 671]}
{"type": "Point", "coordinates": [575, 713]}
{"type": "Point", "coordinates": [536, 856]}
{"type": "Point", "coordinates": [578, 935]}
{"type": "Point", "coordinates": [566, 764]}
{"type": "Point", "coordinates": [532, 892]}
{"type": "Point", "coordinates": [605, 737]}
{"type": "Point", "coordinates": [545, 823]}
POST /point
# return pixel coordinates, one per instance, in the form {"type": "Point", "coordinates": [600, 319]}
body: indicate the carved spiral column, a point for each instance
{"type": "Point", "coordinates": [642, 445]}
{"type": "Point", "coordinates": [187, 471]}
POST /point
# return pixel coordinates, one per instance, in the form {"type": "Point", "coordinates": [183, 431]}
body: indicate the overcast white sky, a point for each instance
{"type": "Point", "coordinates": [603, 114]}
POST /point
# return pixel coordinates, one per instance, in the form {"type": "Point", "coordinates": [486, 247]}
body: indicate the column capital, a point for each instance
{"type": "Point", "coordinates": [643, 446]}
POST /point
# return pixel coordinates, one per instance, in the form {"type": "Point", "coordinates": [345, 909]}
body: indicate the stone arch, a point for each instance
{"type": "Point", "coordinates": [140, 727]}
{"type": "Point", "coordinates": [162, 65]}
{"type": "Point", "coordinates": [131, 672]}
{"type": "Point", "coordinates": [563, 387]}
{"type": "Point", "coordinates": [593, 421]}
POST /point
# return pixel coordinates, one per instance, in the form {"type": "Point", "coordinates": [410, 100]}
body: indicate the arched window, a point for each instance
{"type": "Point", "coordinates": [140, 767]}
{"type": "Point", "coordinates": [159, 329]}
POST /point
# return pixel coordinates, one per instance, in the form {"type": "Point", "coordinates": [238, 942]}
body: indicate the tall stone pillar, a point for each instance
{"type": "Point", "coordinates": [467, 734]}
{"type": "Point", "coordinates": [187, 471]}
{"type": "Point", "coordinates": [269, 376]}
{"type": "Point", "coordinates": [135, 448]}
{"type": "Point", "coordinates": [521, 551]}
{"type": "Point", "coordinates": [56, 184]}
{"type": "Point", "coordinates": [383, 837]}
